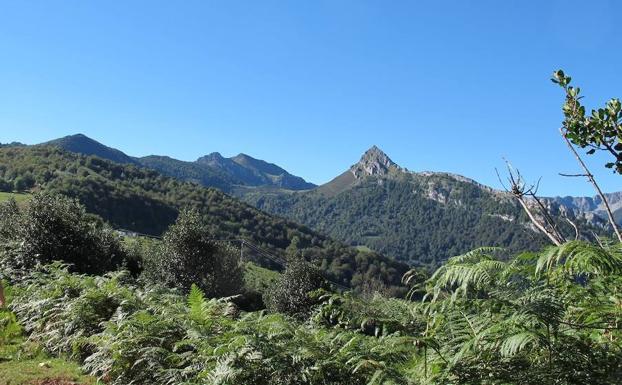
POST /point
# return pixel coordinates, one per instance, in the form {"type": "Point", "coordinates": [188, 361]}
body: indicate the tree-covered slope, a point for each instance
{"type": "Point", "coordinates": [420, 218]}
{"type": "Point", "coordinates": [212, 170]}
{"type": "Point", "coordinates": [144, 200]}
{"type": "Point", "coordinates": [82, 144]}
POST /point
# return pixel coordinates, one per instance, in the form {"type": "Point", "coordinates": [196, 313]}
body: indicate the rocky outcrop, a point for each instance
{"type": "Point", "coordinates": [374, 162]}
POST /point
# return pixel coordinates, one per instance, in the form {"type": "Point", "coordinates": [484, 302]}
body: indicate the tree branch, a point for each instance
{"type": "Point", "coordinates": [590, 177]}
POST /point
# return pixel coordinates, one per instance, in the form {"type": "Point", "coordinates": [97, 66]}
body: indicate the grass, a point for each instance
{"type": "Point", "coordinates": [15, 369]}
{"type": "Point", "coordinates": [24, 363]}
{"type": "Point", "coordinates": [258, 278]}
{"type": "Point", "coordinates": [19, 197]}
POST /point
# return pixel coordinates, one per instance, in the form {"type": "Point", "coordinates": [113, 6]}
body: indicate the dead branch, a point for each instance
{"type": "Point", "coordinates": [574, 225]}
{"type": "Point", "coordinates": [519, 190]}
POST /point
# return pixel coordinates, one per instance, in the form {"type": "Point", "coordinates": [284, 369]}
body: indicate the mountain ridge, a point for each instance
{"type": "Point", "coordinates": [212, 170]}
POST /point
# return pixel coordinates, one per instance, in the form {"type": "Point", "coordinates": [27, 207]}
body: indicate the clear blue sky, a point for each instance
{"type": "Point", "coordinates": [438, 85]}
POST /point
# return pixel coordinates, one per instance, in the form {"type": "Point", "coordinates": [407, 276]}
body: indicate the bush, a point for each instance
{"type": "Point", "coordinates": [56, 228]}
{"type": "Point", "coordinates": [5, 186]}
{"type": "Point", "coordinates": [9, 219]}
{"type": "Point", "coordinates": [25, 182]}
{"type": "Point", "coordinates": [290, 293]}
{"type": "Point", "coordinates": [188, 256]}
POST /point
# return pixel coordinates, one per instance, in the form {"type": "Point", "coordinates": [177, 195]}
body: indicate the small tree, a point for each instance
{"type": "Point", "coordinates": [5, 186]}
{"type": "Point", "coordinates": [188, 256]}
{"type": "Point", "coordinates": [602, 131]}
{"type": "Point", "coordinates": [54, 227]}
{"type": "Point", "coordinates": [23, 183]}
{"type": "Point", "coordinates": [290, 293]}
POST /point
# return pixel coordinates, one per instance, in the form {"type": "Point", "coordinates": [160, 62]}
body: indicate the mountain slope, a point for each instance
{"type": "Point", "coordinates": [82, 144]}
{"type": "Point", "coordinates": [420, 218]}
{"type": "Point", "coordinates": [212, 170]}
{"type": "Point", "coordinates": [591, 206]}
{"type": "Point", "coordinates": [144, 200]}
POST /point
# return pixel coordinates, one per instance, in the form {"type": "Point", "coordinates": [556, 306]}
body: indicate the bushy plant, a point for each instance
{"type": "Point", "coordinates": [188, 256]}
{"type": "Point", "coordinates": [55, 228]}
{"type": "Point", "coordinates": [290, 294]}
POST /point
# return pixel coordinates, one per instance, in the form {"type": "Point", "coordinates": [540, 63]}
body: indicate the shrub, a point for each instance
{"type": "Point", "coordinates": [290, 293]}
{"type": "Point", "coordinates": [5, 186]}
{"type": "Point", "coordinates": [53, 227]}
{"type": "Point", "coordinates": [188, 256]}
{"type": "Point", "coordinates": [25, 182]}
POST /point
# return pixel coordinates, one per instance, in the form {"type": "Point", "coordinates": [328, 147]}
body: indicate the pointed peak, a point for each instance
{"type": "Point", "coordinates": [375, 152]}
{"type": "Point", "coordinates": [374, 162]}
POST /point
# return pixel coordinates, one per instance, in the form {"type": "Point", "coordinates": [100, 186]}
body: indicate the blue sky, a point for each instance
{"type": "Point", "coordinates": [438, 85]}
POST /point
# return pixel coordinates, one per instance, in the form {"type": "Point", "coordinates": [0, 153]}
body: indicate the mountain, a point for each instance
{"type": "Point", "coordinates": [420, 218]}
{"type": "Point", "coordinates": [248, 171]}
{"type": "Point", "coordinates": [145, 201]}
{"type": "Point", "coordinates": [212, 170]}
{"type": "Point", "coordinates": [591, 206]}
{"type": "Point", "coordinates": [82, 144]}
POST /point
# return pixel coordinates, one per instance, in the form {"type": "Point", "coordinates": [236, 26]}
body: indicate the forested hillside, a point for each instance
{"type": "Point", "coordinates": [143, 200]}
{"type": "Point", "coordinates": [212, 170]}
{"type": "Point", "coordinates": [419, 218]}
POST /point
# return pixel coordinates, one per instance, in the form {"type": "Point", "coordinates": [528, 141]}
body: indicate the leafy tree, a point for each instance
{"type": "Point", "coordinates": [5, 185]}
{"type": "Point", "coordinates": [600, 131]}
{"type": "Point", "coordinates": [290, 294]}
{"type": "Point", "coordinates": [24, 182]}
{"type": "Point", "coordinates": [188, 256]}
{"type": "Point", "coordinates": [53, 227]}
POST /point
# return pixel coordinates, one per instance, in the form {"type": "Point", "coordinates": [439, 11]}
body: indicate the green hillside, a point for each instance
{"type": "Point", "coordinates": [145, 201]}
{"type": "Point", "coordinates": [419, 218]}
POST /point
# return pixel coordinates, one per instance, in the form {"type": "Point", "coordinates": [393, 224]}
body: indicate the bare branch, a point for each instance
{"type": "Point", "coordinates": [574, 225]}
{"type": "Point", "coordinates": [590, 177]}
{"type": "Point", "coordinates": [519, 189]}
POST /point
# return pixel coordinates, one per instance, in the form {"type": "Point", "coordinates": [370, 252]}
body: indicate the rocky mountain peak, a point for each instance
{"type": "Point", "coordinates": [213, 157]}
{"type": "Point", "coordinates": [374, 162]}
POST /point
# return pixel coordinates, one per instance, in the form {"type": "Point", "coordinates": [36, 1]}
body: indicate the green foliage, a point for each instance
{"type": "Point", "coordinates": [257, 278]}
{"type": "Point", "coordinates": [143, 200]}
{"type": "Point", "coordinates": [416, 218]}
{"type": "Point", "coordinates": [5, 185]}
{"type": "Point", "coordinates": [599, 131]}
{"type": "Point", "coordinates": [375, 316]}
{"type": "Point", "coordinates": [189, 257]}
{"type": "Point", "coordinates": [291, 293]}
{"type": "Point", "coordinates": [53, 228]}
{"type": "Point", "coordinates": [154, 336]}
{"type": "Point", "coordinates": [24, 182]}
{"type": "Point", "coordinates": [538, 318]}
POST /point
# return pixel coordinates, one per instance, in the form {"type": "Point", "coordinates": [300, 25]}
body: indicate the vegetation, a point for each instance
{"type": "Point", "coordinates": [290, 292]}
{"type": "Point", "coordinates": [24, 362]}
{"type": "Point", "coordinates": [52, 228]}
{"type": "Point", "coordinates": [189, 257]}
{"type": "Point", "coordinates": [396, 216]}
{"type": "Point", "coordinates": [5, 196]}
{"type": "Point", "coordinates": [539, 318]}
{"type": "Point", "coordinates": [599, 131]}
{"type": "Point", "coordinates": [143, 200]}
{"type": "Point", "coordinates": [488, 316]}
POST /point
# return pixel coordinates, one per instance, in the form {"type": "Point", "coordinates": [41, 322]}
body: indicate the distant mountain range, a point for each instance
{"type": "Point", "coordinates": [418, 217]}
{"type": "Point", "coordinates": [211, 170]}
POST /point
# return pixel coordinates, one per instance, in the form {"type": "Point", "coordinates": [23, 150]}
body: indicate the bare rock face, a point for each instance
{"type": "Point", "coordinates": [374, 162]}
